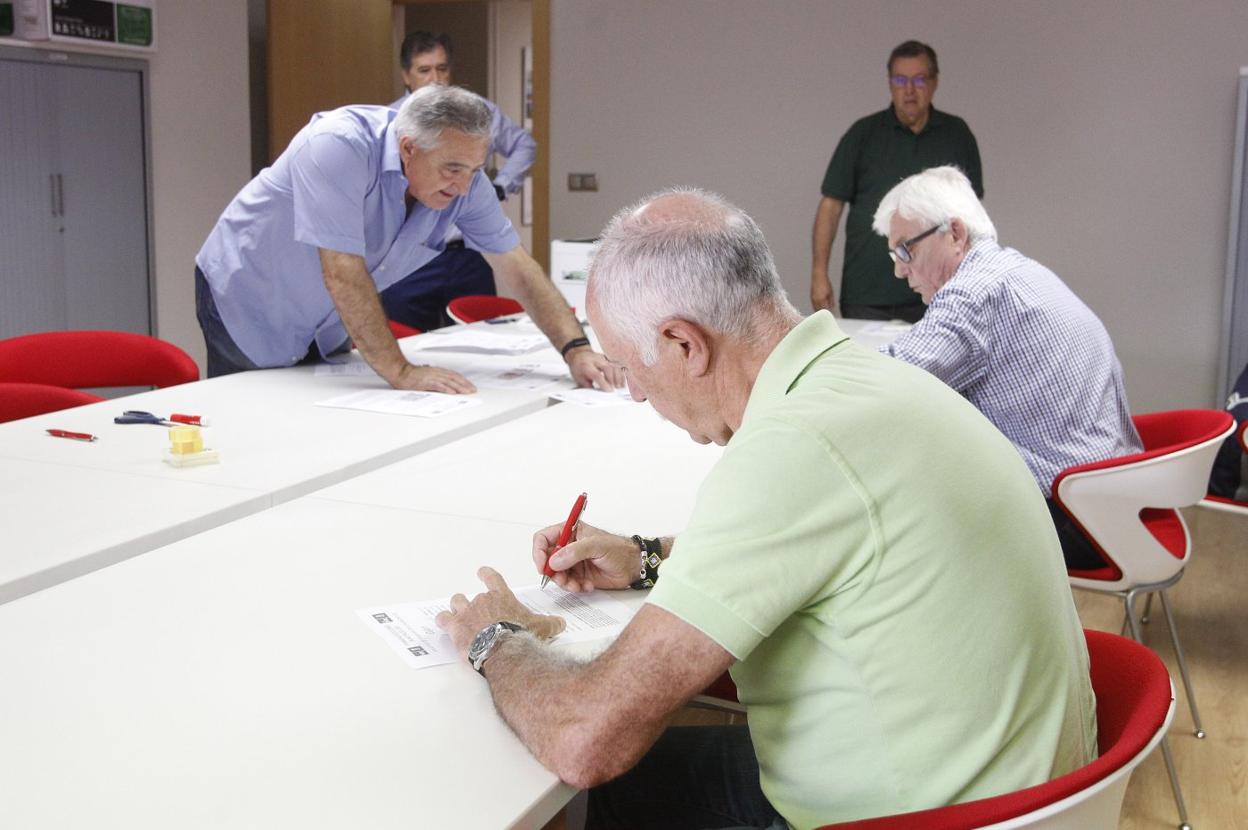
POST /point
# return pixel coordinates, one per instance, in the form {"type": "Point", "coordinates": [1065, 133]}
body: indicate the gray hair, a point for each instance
{"type": "Point", "coordinates": [936, 196]}
{"type": "Point", "coordinates": [706, 262]}
{"type": "Point", "coordinates": [434, 108]}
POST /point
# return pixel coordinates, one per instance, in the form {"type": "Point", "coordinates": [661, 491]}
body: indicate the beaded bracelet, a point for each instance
{"type": "Point", "coordinates": [651, 551]}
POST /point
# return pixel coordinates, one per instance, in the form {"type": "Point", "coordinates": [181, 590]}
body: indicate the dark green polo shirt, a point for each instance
{"type": "Point", "coordinates": [874, 155]}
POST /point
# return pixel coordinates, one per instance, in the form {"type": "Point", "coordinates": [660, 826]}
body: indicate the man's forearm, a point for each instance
{"type": "Point", "coordinates": [358, 304]}
{"type": "Point", "coordinates": [827, 217]}
{"type": "Point", "coordinates": [543, 302]}
{"type": "Point", "coordinates": [551, 703]}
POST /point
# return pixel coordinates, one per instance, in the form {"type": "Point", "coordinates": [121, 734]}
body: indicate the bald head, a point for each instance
{"type": "Point", "coordinates": [685, 254]}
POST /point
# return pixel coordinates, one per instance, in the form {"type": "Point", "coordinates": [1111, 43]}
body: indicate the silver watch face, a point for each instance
{"type": "Point", "coordinates": [482, 642]}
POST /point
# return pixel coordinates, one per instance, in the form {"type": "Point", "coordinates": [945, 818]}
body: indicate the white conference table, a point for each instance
{"type": "Point", "coordinates": [641, 472]}
{"type": "Point", "coordinates": [225, 680]}
{"type": "Point", "coordinates": [71, 507]}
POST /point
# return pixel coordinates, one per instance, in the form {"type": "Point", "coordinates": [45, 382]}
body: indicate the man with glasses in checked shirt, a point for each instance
{"type": "Point", "coordinates": [875, 153]}
{"type": "Point", "coordinates": [1006, 333]}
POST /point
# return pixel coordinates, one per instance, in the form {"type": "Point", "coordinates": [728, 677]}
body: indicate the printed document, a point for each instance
{"type": "Point", "coordinates": [594, 397]}
{"type": "Point", "coordinates": [409, 629]}
{"type": "Point", "coordinates": [471, 339]}
{"type": "Point", "coordinates": [526, 376]}
{"type": "Point", "coordinates": [402, 402]}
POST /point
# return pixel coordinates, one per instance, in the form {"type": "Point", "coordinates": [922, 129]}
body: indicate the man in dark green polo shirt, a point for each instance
{"type": "Point", "coordinates": [874, 155]}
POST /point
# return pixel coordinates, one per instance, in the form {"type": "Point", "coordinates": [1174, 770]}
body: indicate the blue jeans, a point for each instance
{"type": "Point", "coordinates": [419, 299]}
{"type": "Point", "coordinates": [224, 355]}
{"type": "Point", "coordinates": [693, 778]}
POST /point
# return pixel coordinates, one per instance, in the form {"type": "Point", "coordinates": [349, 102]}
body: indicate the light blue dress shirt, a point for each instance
{"type": "Point", "coordinates": [1018, 344]}
{"type": "Point", "coordinates": [339, 186]}
{"type": "Point", "coordinates": [507, 139]}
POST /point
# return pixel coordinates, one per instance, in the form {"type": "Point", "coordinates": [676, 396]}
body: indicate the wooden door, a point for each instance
{"type": "Point", "coordinates": [324, 54]}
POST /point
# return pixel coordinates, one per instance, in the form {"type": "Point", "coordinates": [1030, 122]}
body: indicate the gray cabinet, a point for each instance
{"type": "Point", "coordinates": [74, 219]}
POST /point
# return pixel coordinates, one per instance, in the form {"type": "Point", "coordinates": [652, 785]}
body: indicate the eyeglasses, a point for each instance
{"type": "Point", "coordinates": [902, 253]}
{"type": "Point", "coordinates": [902, 81]}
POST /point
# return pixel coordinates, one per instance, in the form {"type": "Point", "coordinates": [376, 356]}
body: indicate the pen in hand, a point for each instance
{"type": "Point", "coordinates": [565, 535]}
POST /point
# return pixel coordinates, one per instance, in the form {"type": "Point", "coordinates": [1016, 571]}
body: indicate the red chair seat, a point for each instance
{"type": "Point", "coordinates": [25, 400]}
{"type": "Point", "coordinates": [90, 359]}
{"type": "Point", "coordinates": [476, 307]}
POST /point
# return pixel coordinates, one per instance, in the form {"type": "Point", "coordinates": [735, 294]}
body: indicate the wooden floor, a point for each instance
{"type": "Point", "coordinates": [1210, 605]}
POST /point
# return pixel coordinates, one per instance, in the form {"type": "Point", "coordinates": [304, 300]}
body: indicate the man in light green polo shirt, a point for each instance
{"type": "Point", "coordinates": [870, 557]}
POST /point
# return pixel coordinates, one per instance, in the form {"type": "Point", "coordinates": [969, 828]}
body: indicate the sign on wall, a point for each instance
{"type": "Point", "coordinates": [129, 25]}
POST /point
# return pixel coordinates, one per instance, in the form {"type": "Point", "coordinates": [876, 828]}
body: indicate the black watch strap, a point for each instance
{"type": "Point", "coordinates": [574, 343]}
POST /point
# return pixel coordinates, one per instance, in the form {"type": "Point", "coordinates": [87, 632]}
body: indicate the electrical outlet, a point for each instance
{"type": "Point", "coordinates": [583, 181]}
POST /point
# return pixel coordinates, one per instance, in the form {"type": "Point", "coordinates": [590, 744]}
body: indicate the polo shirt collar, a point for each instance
{"type": "Point", "coordinates": [390, 161]}
{"type": "Point", "coordinates": [803, 345]}
{"type": "Point", "coordinates": [935, 118]}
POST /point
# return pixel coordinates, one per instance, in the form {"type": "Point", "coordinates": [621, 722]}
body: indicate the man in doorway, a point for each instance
{"type": "Point", "coordinates": [841, 559]}
{"type": "Point", "coordinates": [877, 152]}
{"type": "Point", "coordinates": [362, 196]}
{"type": "Point", "coordinates": [420, 299]}
{"type": "Point", "coordinates": [1007, 333]}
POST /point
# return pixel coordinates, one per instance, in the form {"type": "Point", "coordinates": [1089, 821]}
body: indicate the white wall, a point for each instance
{"type": "Point", "coordinates": [201, 146]}
{"type": "Point", "coordinates": [1106, 131]}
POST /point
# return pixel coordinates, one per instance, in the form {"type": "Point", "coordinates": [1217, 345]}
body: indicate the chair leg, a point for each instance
{"type": "Point", "coordinates": [1178, 652]}
{"type": "Point", "coordinates": [1128, 601]}
{"type": "Point", "coordinates": [1148, 607]}
{"type": "Point", "coordinates": [1174, 784]}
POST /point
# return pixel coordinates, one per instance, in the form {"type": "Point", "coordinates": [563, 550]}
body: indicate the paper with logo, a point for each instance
{"type": "Point", "coordinates": [408, 628]}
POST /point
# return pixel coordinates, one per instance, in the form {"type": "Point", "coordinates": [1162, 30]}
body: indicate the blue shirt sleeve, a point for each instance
{"type": "Point", "coordinates": [950, 341]}
{"type": "Point", "coordinates": [329, 176]}
{"type": "Point", "coordinates": [482, 221]}
{"type": "Point", "coordinates": [517, 145]}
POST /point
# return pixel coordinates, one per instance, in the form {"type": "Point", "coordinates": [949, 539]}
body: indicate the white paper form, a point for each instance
{"type": "Point", "coordinates": [528, 376]}
{"type": "Point", "coordinates": [402, 402]}
{"type": "Point", "coordinates": [351, 369]}
{"type": "Point", "coordinates": [409, 629]}
{"type": "Point", "coordinates": [594, 397]}
{"type": "Point", "coordinates": [469, 339]}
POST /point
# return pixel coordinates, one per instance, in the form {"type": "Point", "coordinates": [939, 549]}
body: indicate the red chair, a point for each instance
{"type": "Point", "coordinates": [25, 400]}
{"type": "Point", "coordinates": [476, 307]}
{"type": "Point", "coordinates": [400, 330]}
{"type": "Point", "coordinates": [94, 359]}
{"type": "Point", "coordinates": [1127, 507]}
{"type": "Point", "coordinates": [1222, 503]}
{"type": "Point", "coordinates": [1134, 707]}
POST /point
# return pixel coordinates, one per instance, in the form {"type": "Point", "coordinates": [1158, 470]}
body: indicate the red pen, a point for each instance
{"type": "Point", "coordinates": [77, 436]}
{"type": "Point", "coordinates": [565, 535]}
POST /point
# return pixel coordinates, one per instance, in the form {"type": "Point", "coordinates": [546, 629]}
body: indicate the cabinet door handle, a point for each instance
{"type": "Point", "coordinates": [52, 192]}
{"type": "Point", "coordinates": [60, 194]}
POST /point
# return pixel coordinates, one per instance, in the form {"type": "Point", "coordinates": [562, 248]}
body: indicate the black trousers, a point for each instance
{"type": "Point", "coordinates": [1077, 549]}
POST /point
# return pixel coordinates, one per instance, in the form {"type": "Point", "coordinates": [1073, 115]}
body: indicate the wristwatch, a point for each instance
{"type": "Point", "coordinates": [485, 641]}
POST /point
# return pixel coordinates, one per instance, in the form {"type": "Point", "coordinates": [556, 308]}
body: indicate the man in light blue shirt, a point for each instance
{"type": "Point", "coordinates": [361, 197]}
{"type": "Point", "coordinates": [420, 299]}
{"type": "Point", "coordinates": [1005, 332]}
